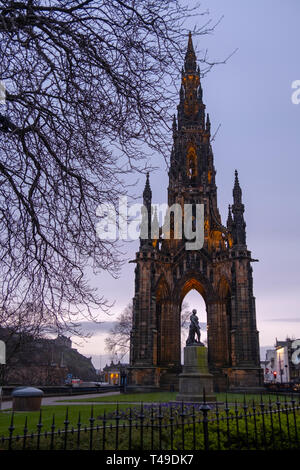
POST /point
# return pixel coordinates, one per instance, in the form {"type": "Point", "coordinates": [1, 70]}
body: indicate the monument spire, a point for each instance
{"type": "Point", "coordinates": [191, 162]}
{"type": "Point", "coordinates": [207, 123]}
{"type": "Point", "coordinates": [147, 194]}
{"type": "Point", "coordinates": [190, 56]}
{"type": "Point", "coordinates": [237, 192]}
{"type": "Point", "coordinates": [238, 208]}
{"type": "Point", "coordinates": [146, 215]}
{"type": "Point", "coordinates": [174, 126]}
{"type": "Point", "coordinates": [166, 269]}
{"type": "Point", "coordinates": [229, 218]}
{"type": "Point", "coordinates": [191, 110]}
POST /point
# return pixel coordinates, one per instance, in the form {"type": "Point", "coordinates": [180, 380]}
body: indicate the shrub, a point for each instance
{"type": "Point", "coordinates": [257, 433]}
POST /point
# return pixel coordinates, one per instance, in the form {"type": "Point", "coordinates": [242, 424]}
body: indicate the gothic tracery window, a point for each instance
{"type": "Point", "coordinates": [191, 163]}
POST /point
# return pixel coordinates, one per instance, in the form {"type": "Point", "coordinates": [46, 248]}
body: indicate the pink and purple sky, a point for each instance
{"type": "Point", "coordinates": [250, 96]}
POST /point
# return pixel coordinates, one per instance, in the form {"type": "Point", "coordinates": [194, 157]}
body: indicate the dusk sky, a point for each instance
{"type": "Point", "coordinates": [250, 97]}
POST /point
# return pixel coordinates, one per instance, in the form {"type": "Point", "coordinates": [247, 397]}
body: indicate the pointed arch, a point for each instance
{"type": "Point", "coordinates": [189, 285]}
{"type": "Point", "coordinates": [193, 280]}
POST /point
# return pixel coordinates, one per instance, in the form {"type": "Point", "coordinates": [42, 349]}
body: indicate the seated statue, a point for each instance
{"type": "Point", "coordinates": [194, 330]}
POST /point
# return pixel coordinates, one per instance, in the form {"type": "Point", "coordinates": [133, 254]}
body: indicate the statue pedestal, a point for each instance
{"type": "Point", "coordinates": [195, 376]}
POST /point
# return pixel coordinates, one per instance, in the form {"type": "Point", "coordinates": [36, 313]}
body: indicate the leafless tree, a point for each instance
{"type": "Point", "coordinates": [88, 98]}
{"type": "Point", "coordinates": [20, 330]}
{"type": "Point", "coordinates": [185, 315]}
{"type": "Point", "coordinates": [118, 341]}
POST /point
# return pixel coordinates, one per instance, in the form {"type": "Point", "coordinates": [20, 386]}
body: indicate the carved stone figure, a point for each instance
{"type": "Point", "coordinates": [194, 330]}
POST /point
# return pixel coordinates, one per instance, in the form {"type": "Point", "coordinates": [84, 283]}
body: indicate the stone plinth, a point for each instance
{"type": "Point", "coordinates": [195, 376]}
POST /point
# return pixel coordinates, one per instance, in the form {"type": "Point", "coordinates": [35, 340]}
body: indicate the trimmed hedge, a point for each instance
{"type": "Point", "coordinates": [257, 433]}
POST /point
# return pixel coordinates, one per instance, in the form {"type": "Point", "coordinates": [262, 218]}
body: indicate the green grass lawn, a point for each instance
{"type": "Point", "coordinates": [125, 401]}
{"type": "Point", "coordinates": [153, 397]}
{"type": "Point", "coordinates": [47, 417]}
{"type": "Point", "coordinates": [164, 397]}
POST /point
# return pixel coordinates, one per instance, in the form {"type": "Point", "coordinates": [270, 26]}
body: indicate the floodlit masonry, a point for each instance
{"type": "Point", "coordinates": [220, 271]}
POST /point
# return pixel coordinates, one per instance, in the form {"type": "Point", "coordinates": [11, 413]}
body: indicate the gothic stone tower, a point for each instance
{"type": "Point", "coordinates": [221, 271]}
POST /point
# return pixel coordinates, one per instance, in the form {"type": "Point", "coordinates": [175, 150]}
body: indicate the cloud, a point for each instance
{"type": "Point", "coordinates": [88, 327]}
{"type": "Point", "coordinates": [106, 326]}
{"type": "Point", "coordinates": [96, 328]}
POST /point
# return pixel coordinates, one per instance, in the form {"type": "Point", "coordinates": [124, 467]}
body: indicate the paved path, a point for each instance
{"type": "Point", "coordinates": [55, 400]}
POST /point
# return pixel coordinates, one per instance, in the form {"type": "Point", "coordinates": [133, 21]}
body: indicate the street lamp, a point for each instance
{"type": "Point", "coordinates": [286, 372]}
{"type": "Point", "coordinates": [2, 365]}
{"type": "Point", "coordinates": [279, 350]}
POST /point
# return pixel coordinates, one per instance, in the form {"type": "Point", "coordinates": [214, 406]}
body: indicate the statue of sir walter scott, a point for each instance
{"type": "Point", "coordinates": [194, 330]}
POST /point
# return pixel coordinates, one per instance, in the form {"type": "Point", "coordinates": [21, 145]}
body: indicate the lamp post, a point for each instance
{"type": "Point", "coordinates": [280, 368]}
{"type": "Point", "coordinates": [2, 365]}
{"type": "Point", "coordinates": [286, 372]}
{"type": "Point", "coordinates": [100, 374]}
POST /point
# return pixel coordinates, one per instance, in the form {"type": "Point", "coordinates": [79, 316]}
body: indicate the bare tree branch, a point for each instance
{"type": "Point", "coordinates": [118, 341]}
{"type": "Point", "coordinates": [89, 98]}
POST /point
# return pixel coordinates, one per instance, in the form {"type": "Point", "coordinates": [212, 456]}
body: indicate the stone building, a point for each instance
{"type": "Point", "coordinates": [280, 365]}
{"type": "Point", "coordinates": [42, 361]}
{"type": "Point", "coordinates": [115, 374]}
{"type": "Point", "coordinates": [220, 271]}
{"type": "Point", "coordinates": [268, 366]}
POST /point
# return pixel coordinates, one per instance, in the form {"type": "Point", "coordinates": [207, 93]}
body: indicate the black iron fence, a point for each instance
{"type": "Point", "coordinates": [266, 423]}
